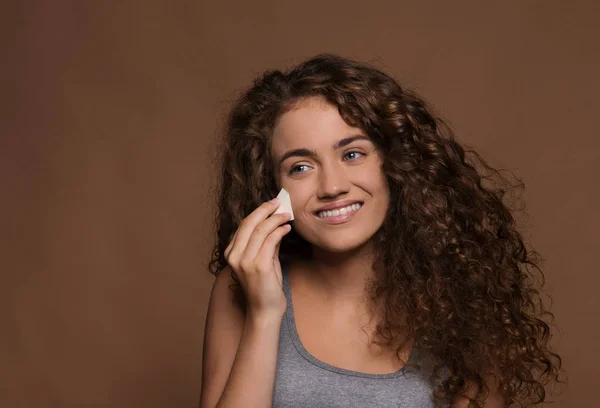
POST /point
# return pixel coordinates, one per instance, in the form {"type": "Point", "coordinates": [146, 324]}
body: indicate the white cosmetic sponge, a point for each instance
{"type": "Point", "coordinates": [286, 204]}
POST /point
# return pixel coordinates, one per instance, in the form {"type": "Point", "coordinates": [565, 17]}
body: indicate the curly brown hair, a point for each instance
{"type": "Point", "coordinates": [451, 267]}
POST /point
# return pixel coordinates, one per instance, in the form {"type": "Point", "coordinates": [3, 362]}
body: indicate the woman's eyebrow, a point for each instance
{"type": "Point", "coordinates": [312, 153]}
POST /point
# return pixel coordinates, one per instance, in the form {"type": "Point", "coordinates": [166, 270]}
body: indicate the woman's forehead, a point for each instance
{"type": "Point", "coordinates": [313, 123]}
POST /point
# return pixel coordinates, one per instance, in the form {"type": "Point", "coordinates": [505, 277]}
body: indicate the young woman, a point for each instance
{"type": "Point", "coordinates": [402, 280]}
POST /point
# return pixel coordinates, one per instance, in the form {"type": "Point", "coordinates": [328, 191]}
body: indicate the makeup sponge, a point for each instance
{"type": "Point", "coordinates": [286, 204]}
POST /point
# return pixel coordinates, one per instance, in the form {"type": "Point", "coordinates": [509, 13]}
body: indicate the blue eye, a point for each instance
{"type": "Point", "coordinates": [293, 169]}
{"type": "Point", "coordinates": [353, 152]}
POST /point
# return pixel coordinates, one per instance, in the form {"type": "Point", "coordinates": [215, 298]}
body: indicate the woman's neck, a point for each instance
{"type": "Point", "coordinates": [341, 276]}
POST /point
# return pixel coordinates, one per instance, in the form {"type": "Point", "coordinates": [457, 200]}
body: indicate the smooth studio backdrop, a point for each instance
{"type": "Point", "coordinates": [110, 112]}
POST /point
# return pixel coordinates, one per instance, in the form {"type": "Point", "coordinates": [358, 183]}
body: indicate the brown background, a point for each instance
{"type": "Point", "coordinates": [109, 117]}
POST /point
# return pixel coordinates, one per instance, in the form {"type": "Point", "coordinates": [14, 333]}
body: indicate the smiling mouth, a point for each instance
{"type": "Point", "coordinates": [339, 212]}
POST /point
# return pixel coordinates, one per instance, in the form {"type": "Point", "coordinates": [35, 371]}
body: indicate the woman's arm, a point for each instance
{"type": "Point", "coordinates": [240, 352]}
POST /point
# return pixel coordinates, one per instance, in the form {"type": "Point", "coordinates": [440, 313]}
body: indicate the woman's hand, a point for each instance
{"type": "Point", "coordinates": [253, 255]}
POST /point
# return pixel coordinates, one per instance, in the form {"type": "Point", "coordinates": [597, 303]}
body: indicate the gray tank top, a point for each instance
{"type": "Point", "coordinates": [303, 381]}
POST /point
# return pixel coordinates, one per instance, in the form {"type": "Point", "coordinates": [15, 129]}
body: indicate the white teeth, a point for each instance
{"type": "Point", "coordinates": [334, 213]}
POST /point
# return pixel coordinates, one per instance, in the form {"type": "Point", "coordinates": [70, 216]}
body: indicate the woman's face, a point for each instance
{"type": "Point", "coordinates": [322, 161]}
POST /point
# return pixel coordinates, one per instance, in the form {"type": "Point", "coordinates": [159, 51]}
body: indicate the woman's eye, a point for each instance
{"type": "Point", "coordinates": [297, 169]}
{"type": "Point", "coordinates": [355, 152]}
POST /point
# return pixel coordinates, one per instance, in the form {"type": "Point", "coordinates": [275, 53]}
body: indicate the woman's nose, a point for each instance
{"type": "Point", "coordinates": [333, 180]}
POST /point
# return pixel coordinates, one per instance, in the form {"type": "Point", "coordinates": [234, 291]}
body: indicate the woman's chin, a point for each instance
{"type": "Point", "coordinates": [342, 246]}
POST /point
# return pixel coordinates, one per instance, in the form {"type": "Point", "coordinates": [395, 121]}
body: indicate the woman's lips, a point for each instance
{"type": "Point", "coordinates": [340, 219]}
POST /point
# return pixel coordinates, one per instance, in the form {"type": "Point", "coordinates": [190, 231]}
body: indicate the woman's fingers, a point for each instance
{"type": "Point", "coordinates": [270, 248]}
{"type": "Point", "coordinates": [236, 248]}
{"type": "Point", "coordinates": [263, 234]}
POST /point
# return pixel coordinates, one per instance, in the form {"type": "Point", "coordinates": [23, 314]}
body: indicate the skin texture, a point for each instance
{"type": "Point", "coordinates": [446, 262]}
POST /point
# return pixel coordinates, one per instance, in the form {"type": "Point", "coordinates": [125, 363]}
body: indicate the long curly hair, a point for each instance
{"type": "Point", "coordinates": [451, 268]}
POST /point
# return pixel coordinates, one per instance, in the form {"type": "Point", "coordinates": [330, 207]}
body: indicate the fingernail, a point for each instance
{"type": "Point", "coordinates": [274, 201]}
